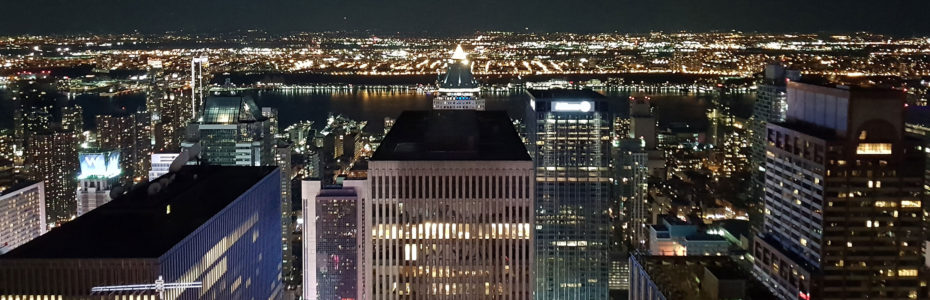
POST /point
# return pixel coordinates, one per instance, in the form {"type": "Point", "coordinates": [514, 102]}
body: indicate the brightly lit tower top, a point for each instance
{"type": "Point", "coordinates": [458, 88]}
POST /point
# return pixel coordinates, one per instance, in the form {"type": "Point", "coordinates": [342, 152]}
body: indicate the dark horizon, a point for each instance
{"type": "Point", "coordinates": [904, 18]}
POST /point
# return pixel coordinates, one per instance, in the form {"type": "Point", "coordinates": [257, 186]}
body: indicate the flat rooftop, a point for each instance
{"type": "Point", "coordinates": [452, 135]}
{"type": "Point", "coordinates": [138, 225]}
{"type": "Point", "coordinates": [679, 277]}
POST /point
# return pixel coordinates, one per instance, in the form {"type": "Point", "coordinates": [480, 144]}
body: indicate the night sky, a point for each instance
{"type": "Point", "coordinates": [896, 17]}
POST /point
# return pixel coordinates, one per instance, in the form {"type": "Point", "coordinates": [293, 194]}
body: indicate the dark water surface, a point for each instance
{"type": "Point", "coordinates": [373, 106]}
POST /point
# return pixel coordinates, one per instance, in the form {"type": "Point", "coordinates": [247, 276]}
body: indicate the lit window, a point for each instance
{"type": "Point", "coordinates": [907, 272]}
{"type": "Point", "coordinates": [873, 149]}
{"type": "Point", "coordinates": [910, 203]}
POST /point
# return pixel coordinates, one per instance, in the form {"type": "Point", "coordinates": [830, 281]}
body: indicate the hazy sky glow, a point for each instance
{"type": "Point", "coordinates": [898, 17]}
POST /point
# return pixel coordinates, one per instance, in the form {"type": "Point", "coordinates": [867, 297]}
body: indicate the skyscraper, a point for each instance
{"type": "Point", "coordinates": [132, 135]}
{"type": "Point", "coordinates": [232, 132]}
{"type": "Point", "coordinates": [770, 107]}
{"type": "Point", "coordinates": [335, 239]}
{"type": "Point", "coordinates": [843, 197]}
{"type": "Point", "coordinates": [52, 157]}
{"type": "Point", "coordinates": [569, 136]}
{"type": "Point", "coordinates": [458, 88]}
{"type": "Point", "coordinates": [229, 241]}
{"type": "Point", "coordinates": [22, 214]}
{"type": "Point", "coordinates": [450, 210]}
{"type": "Point", "coordinates": [197, 89]}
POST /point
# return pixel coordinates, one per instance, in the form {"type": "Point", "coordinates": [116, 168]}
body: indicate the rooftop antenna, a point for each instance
{"type": "Point", "coordinates": [159, 286]}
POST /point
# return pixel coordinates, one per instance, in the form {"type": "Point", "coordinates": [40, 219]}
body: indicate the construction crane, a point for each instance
{"type": "Point", "coordinates": [160, 286]}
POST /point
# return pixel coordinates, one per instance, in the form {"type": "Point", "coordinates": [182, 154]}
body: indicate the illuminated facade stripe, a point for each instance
{"type": "Point", "coordinates": [450, 230]}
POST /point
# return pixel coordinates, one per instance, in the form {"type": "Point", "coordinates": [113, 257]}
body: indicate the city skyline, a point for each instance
{"type": "Point", "coordinates": [371, 150]}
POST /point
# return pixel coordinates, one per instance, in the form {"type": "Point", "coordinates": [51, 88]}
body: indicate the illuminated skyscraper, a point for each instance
{"type": "Point", "coordinates": [450, 215]}
{"type": "Point", "coordinates": [458, 88]}
{"type": "Point", "coordinates": [219, 226]}
{"type": "Point", "coordinates": [569, 134]}
{"type": "Point", "coordinates": [52, 157]}
{"type": "Point", "coordinates": [770, 107]}
{"type": "Point", "coordinates": [22, 214]}
{"type": "Point", "coordinates": [334, 239]}
{"type": "Point", "coordinates": [197, 89]}
{"type": "Point", "coordinates": [843, 198]}
{"type": "Point", "coordinates": [232, 132]}
{"type": "Point", "coordinates": [132, 136]}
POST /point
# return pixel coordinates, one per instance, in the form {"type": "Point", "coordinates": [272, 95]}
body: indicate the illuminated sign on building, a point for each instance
{"type": "Point", "coordinates": [99, 164]}
{"type": "Point", "coordinates": [583, 106]}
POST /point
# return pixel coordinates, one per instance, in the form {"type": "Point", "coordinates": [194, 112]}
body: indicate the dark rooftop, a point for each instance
{"type": "Point", "coordinates": [680, 277]}
{"type": "Point", "coordinates": [16, 187]}
{"type": "Point", "coordinates": [452, 135]}
{"type": "Point", "coordinates": [137, 225]}
{"type": "Point", "coordinates": [566, 94]}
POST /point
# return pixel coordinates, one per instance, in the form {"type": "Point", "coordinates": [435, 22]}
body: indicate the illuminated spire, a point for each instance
{"type": "Point", "coordinates": [459, 54]}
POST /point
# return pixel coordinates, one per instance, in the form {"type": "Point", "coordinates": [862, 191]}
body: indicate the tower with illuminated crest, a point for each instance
{"type": "Point", "coordinates": [458, 89]}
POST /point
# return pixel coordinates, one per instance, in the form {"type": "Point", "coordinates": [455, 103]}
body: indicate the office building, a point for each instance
{"type": "Point", "coordinates": [52, 157]}
{"type": "Point", "coordinates": [282, 158]}
{"type": "Point", "coordinates": [451, 209]}
{"type": "Point", "coordinates": [843, 197]}
{"type": "Point", "coordinates": [232, 132]}
{"type": "Point", "coordinates": [160, 163]}
{"type": "Point", "coordinates": [132, 135]}
{"type": "Point", "coordinates": [770, 107]}
{"type": "Point", "coordinates": [198, 91]}
{"type": "Point", "coordinates": [692, 278]}
{"type": "Point", "coordinates": [643, 126]}
{"type": "Point", "coordinates": [99, 173]}
{"type": "Point", "coordinates": [229, 241]}
{"type": "Point", "coordinates": [458, 89]}
{"type": "Point", "coordinates": [568, 133]}
{"type": "Point", "coordinates": [22, 214]}
{"type": "Point", "coordinates": [334, 239]}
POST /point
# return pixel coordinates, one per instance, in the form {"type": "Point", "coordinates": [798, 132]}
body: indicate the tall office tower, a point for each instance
{"type": "Point", "coordinates": [843, 198]}
{"type": "Point", "coordinates": [458, 88]}
{"type": "Point", "coordinates": [132, 136]}
{"type": "Point", "coordinates": [161, 162]}
{"type": "Point", "coordinates": [233, 132]}
{"type": "Point", "coordinates": [643, 122]}
{"type": "Point", "coordinates": [643, 126]}
{"type": "Point", "coordinates": [569, 135]}
{"type": "Point", "coordinates": [770, 106]}
{"type": "Point", "coordinates": [228, 241]}
{"type": "Point", "coordinates": [157, 90]}
{"type": "Point", "coordinates": [22, 214]}
{"type": "Point", "coordinates": [451, 209]}
{"type": "Point", "coordinates": [100, 170]}
{"type": "Point", "coordinates": [333, 237]}
{"type": "Point", "coordinates": [197, 89]}
{"type": "Point", "coordinates": [633, 183]}
{"type": "Point", "coordinates": [282, 158]}
{"type": "Point", "coordinates": [53, 158]}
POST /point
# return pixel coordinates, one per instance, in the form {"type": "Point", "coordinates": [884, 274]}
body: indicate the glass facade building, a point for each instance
{"type": "Point", "coordinates": [216, 225]}
{"type": "Point", "coordinates": [568, 133]}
